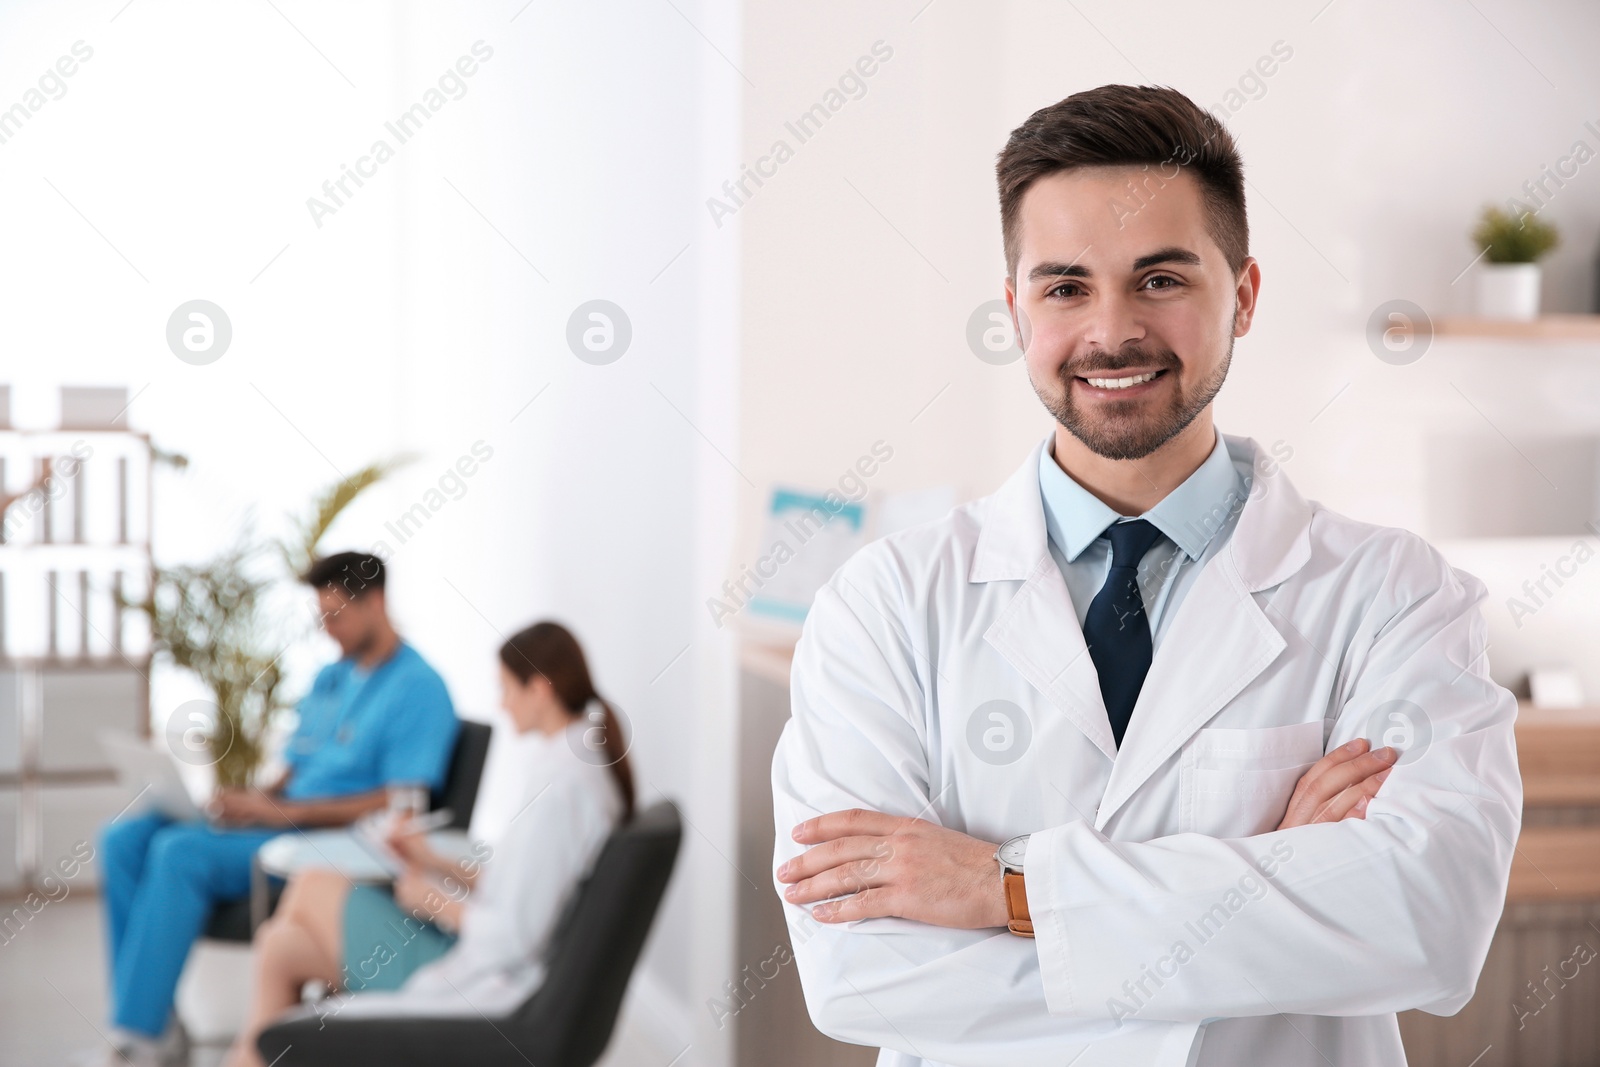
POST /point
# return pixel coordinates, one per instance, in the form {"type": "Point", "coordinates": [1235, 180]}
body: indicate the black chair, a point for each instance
{"type": "Point", "coordinates": [460, 792]}
{"type": "Point", "coordinates": [566, 1022]}
{"type": "Point", "coordinates": [232, 920]}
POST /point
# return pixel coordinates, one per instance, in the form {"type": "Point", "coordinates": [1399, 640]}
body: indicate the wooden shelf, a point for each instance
{"type": "Point", "coordinates": [1555, 863]}
{"type": "Point", "coordinates": [1559, 752]}
{"type": "Point", "coordinates": [1543, 328]}
{"type": "Point", "coordinates": [769, 661]}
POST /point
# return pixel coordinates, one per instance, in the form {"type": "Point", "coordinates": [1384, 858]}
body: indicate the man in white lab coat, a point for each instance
{"type": "Point", "coordinates": [1092, 771]}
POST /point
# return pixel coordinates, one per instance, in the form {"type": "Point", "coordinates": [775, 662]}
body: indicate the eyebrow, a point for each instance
{"type": "Point", "coordinates": [1172, 254]}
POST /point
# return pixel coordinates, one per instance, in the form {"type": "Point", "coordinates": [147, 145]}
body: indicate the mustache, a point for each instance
{"type": "Point", "coordinates": [1100, 362]}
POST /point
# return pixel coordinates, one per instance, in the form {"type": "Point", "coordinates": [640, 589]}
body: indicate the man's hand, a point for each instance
{"type": "Point", "coordinates": [884, 865]}
{"type": "Point", "coordinates": [246, 807]}
{"type": "Point", "coordinates": [1339, 784]}
{"type": "Point", "coordinates": [881, 865]}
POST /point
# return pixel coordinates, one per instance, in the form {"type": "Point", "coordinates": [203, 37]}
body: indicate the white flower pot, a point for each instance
{"type": "Point", "coordinates": [1508, 290]}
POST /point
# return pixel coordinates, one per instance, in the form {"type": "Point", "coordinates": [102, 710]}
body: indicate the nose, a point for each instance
{"type": "Point", "coordinates": [1112, 322]}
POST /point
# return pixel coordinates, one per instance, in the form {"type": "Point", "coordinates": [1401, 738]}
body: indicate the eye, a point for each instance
{"type": "Point", "coordinates": [1058, 290]}
{"type": "Point", "coordinates": [1151, 283]}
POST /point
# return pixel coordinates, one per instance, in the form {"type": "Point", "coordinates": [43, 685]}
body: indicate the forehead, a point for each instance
{"type": "Point", "coordinates": [331, 598]}
{"type": "Point", "coordinates": [1092, 216]}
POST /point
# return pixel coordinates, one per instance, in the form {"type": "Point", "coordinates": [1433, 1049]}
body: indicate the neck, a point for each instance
{"type": "Point", "coordinates": [551, 722]}
{"type": "Point", "coordinates": [1134, 486]}
{"type": "Point", "coordinates": [382, 647]}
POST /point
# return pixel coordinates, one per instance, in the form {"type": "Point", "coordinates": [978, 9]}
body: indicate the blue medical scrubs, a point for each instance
{"type": "Point", "coordinates": [359, 731]}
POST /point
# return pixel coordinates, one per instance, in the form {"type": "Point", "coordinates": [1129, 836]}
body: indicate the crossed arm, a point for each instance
{"type": "Point", "coordinates": [895, 920]}
{"type": "Point", "coordinates": [865, 864]}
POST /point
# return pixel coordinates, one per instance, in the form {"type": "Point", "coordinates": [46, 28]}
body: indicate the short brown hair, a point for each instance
{"type": "Point", "coordinates": [1128, 125]}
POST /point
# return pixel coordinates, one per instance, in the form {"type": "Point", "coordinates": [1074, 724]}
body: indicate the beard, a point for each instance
{"type": "Point", "coordinates": [1132, 429]}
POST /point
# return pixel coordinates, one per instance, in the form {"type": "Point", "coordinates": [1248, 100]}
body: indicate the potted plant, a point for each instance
{"type": "Point", "coordinates": [223, 620]}
{"type": "Point", "coordinates": [1508, 284]}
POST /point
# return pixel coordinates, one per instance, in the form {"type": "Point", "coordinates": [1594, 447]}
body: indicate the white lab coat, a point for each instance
{"type": "Point", "coordinates": [568, 810]}
{"type": "Point", "coordinates": [1174, 924]}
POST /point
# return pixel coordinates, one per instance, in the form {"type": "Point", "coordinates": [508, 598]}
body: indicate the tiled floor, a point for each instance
{"type": "Point", "coordinates": [52, 985]}
{"type": "Point", "coordinates": [53, 994]}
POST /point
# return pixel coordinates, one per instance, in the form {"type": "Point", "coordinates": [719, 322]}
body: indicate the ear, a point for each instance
{"type": "Point", "coordinates": [1246, 293]}
{"type": "Point", "coordinates": [1017, 317]}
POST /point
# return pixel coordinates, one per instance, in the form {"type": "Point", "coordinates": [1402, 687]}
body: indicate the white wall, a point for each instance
{"type": "Point", "coordinates": [1368, 152]}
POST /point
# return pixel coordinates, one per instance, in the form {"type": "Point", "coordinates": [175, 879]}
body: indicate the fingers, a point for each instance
{"type": "Point", "coordinates": [867, 904]}
{"type": "Point", "coordinates": [846, 880]}
{"type": "Point", "coordinates": [402, 839]}
{"type": "Point", "coordinates": [1358, 768]}
{"type": "Point", "coordinates": [1327, 780]}
{"type": "Point", "coordinates": [831, 854]}
{"type": "Point", "coordinates": [1351, 802]}
{"type": "Point", "coordinates": [840, 866]}
{"type": "Point", "coordinates": [848, 849]}
{"type": "Point", "coordinates": [1337, 758]}
{"type": "Point", "coordinates": [856, 822]}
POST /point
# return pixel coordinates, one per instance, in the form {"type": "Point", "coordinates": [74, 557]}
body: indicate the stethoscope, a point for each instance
{"type": "Point", "coordinates": [344, 731]}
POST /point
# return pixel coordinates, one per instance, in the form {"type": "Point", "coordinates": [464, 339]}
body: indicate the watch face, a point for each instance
{"type": "Point", "coordinates": [1012, 852]}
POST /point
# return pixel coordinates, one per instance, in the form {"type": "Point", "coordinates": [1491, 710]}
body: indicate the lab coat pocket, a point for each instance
{"type": "Point", "coordinates": [1237, 783]}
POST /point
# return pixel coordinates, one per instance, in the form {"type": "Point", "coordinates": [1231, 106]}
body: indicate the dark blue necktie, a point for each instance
{"type": "Point", "coordinates": [1116, 628]}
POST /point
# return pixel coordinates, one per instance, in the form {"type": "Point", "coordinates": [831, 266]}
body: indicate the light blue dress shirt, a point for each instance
{"type": "Point", "coordinates": [1197, 518]}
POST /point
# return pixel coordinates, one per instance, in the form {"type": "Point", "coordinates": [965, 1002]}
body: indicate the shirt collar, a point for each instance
{"type": "Point", "coordinates": [1075, 517]}
{"type": "Point", "coordinates": [363, 673]}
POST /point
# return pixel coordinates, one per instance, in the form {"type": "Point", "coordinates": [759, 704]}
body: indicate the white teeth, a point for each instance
{"type": "Point", "coordinates": [1120, 383]}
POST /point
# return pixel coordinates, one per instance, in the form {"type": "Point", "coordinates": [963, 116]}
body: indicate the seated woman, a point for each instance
{"type": "Point", "coordinates": [460, 938]}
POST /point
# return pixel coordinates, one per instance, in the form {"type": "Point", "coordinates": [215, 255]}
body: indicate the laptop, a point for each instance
{"type": "Point", "coordinates": [153, 772]}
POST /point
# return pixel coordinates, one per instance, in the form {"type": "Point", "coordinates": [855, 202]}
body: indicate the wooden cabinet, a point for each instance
{"type": "Point", "coordinates": [1538, 998]}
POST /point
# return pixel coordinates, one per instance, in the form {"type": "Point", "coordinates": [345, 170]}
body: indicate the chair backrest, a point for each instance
{"type": "Point", "coordinates": [460, 792]}
{"type": "Point", "coordinates": [570, 1018]}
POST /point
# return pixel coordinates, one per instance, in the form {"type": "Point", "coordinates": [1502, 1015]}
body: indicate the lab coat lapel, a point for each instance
{"type": "Point", "coordinates": [1038, 634]}
{"type": "Point", "coordinates": [1220, 640]}
{"type": "Point", "coordinates": [1215, 646]}
{"type": "Point", "coordinates": [1037, 631]}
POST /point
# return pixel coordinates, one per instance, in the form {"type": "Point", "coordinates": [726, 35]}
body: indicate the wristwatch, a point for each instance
{"type": "Point", "coordinates": [1010, 855]}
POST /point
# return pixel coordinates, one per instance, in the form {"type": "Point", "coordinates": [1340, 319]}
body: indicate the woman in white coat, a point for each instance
{"type": "Point", "coordinates": [990, 854]}
{"type": "Point", "coordinates": [463, 938]}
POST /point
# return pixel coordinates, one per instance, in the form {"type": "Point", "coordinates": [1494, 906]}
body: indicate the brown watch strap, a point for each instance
{"type": "Point", "coordinates": [1017, 904]}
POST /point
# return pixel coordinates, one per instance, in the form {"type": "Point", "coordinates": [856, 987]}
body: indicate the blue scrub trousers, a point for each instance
{"type": "Point", "coordinates": [160, 881]}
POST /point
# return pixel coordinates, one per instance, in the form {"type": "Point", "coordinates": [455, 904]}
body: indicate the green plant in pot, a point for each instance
{"type": "Point", "coordinates": [224, 620]}
{"type": "Point", "coordinates": [1508, 282]}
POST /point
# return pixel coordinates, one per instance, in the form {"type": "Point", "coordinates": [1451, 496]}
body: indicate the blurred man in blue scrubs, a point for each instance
{"type": "Point", "coordinates": [377, 717]}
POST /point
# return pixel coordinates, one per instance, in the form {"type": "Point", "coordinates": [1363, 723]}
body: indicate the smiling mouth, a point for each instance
{"type": "Point", "coordinates": [1122, 382]}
